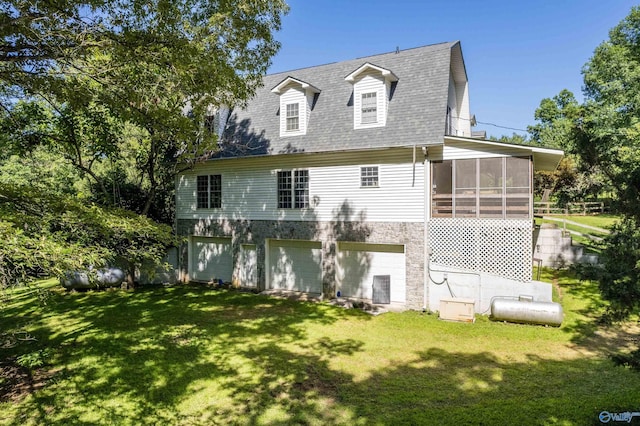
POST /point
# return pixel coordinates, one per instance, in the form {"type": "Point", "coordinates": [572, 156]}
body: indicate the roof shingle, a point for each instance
{"type": "Point", "coordinates": [416, 112]}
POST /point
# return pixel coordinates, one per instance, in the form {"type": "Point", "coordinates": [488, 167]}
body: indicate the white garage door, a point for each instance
{"type": "Point", "coordinates": [295, 265]}
{"type": "Point", "coordinates": [211, 259]}
{"type": "Point", "coordinates": [357, 263]}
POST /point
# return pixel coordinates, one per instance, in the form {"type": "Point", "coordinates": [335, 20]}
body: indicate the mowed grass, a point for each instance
{"type": "Point", "coordinates": [604, 221]}
{"type": "Point", "coordinates": [195, 355]}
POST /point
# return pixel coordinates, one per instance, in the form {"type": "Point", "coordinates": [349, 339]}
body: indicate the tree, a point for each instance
{"type": "Point", "coordinates": [557, 127]}
{"type": "Point", "coordinates": [96, 81]}
{"type": "Point", "coordinates": [514, 138]}
{"type": "Point", "coordinates": [607, 136]}
{"type": "Point", "coordinates": [556, 117]}
{"type": "Point", "coordinates": [47, 234]}
{"type": "Point", "coordinates": [161, 66]}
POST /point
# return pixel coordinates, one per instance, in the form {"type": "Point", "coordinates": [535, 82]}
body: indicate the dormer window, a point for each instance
{"type": "Point", "coordinates": [369, 107]}
{"type": "Point", "coordinates": [296, 102]}
{"type": "Point", "coordinates": [371, 93]}
{"type": "Point", "coordinates": [293, 118]}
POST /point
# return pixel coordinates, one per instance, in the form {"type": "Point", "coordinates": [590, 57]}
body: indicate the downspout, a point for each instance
{"type": "Point", "coordinates": [427, 249]}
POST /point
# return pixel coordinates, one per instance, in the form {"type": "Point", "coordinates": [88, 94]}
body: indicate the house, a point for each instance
{"type": "Point", "coordinates": [337, 177]}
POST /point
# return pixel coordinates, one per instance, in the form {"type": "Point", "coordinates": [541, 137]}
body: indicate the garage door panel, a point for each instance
{"type": "Point", "coordinates": [354, 269]}
{"type": "Point", "coordinates": [296, 265]}
{"type": "Point", "coordinates": [211, 258]}
{"type": "Point", "coordinates": [358, 263]}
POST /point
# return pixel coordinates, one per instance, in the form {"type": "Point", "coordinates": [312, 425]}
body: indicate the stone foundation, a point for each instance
{"type": "Point", "coordinates": [257, 231]}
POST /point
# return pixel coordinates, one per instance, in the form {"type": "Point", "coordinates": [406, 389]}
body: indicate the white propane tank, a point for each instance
{"type": "Point", "coordinates": [545, 313]}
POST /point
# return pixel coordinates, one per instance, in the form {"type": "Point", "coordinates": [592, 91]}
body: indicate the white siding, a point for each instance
{"type": "Point", "coordinates": [458, 101]}
{"type": "Point", "coordinates": [453, 106]}
{"type": "Point", "coordinates": [249, 188]}
{"type": "Point", "coordinates": [464, 120]}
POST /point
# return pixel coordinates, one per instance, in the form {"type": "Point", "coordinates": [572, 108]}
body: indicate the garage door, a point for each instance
{"type": "Point", "coordinates": [358, 263]}
{"type": "Point", "coordinates": [295, 265]}
{"type": "Point", "coordinates": [211, 259]}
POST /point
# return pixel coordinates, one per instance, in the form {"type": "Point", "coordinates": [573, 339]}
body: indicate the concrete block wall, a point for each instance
{"type": "Point", "coordinates": [556, 250]}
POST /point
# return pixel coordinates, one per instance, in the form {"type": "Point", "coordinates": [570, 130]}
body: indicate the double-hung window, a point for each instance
{"type": "Point", "coordinates": [369, 108]}
{"type": "Point", "coordinates": [209, 192]}
{"type": "Point", "coordinates": [369, 177]}
{"type": "Point", "coordinates": [293, 189]}
{"type": "Point", "coordinates": [293, 117]}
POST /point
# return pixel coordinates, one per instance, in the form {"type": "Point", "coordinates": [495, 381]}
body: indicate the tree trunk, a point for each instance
{"type": "Point", "coordinates": [149, 202]}
{"type": "Point", "coordinates": [129, 282]}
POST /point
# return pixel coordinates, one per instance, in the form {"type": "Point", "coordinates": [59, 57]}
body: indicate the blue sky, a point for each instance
{"type": "Point", "coordinates": [516, 52]}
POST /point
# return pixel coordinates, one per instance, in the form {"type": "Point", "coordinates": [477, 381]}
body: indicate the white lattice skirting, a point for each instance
{"type": "Point", "coordinates": [494, 246]}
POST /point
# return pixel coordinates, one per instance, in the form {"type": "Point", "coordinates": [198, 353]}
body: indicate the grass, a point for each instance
{"type": "Point", "coordinates": [599, 221]}
{"type": "Point", "coordinates": [604, 221]}
{"type": "Point", "coordinates": [195, 355]}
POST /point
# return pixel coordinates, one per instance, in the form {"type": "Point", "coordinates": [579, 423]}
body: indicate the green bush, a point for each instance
{"type": "Point", "coordinates": [619, 275]}
{"type": "Point", "coordinates": [48, 234]}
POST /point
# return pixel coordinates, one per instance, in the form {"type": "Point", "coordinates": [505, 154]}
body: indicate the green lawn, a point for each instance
{"type": "Point", "coordinates": [603, 221]}
{"type": "Point", "coordinates": [600, 221]}
{"type": "Point", "coordinates": [195, 355]}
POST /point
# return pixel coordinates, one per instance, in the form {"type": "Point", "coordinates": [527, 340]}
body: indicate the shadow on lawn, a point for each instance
{"type": "Point", "coordinates": [192, 355]}
{"type": "Point", "coordinates": [451, 388]}
{"type": "Point", "coordinates": [588, 327]}
{"type": "Point", "coordinates": [139, 357]}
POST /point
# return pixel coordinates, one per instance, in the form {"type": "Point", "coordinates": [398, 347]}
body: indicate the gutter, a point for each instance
{"type": "Point", "coordinates": [427, 248]}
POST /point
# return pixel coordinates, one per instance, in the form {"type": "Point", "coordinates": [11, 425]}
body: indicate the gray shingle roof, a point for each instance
{"type": "Point", "coordinates": [416, 113]}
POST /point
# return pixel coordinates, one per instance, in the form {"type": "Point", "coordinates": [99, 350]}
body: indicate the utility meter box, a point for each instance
{"type": "Point", "coordinates": [457, 309]}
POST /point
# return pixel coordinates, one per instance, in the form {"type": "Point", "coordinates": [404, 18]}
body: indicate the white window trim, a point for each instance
{"type": "Point", "coordinates": [292, 190]}
{"type": "Point", "coordinates": [363, 176]}
{"type": "Point", "coordinates": [296, 116]}
{"type": "Point", "coordinates": [372, 116]}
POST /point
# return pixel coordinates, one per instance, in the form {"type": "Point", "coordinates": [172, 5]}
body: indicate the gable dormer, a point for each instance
{"type": "Point", "coordinates": [371, 93]}
{"type": "Point", "coordinates": [296, 102]}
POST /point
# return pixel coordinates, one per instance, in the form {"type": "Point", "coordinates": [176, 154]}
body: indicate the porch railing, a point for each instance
{"type": "Point", "coordinates": [541, 208]}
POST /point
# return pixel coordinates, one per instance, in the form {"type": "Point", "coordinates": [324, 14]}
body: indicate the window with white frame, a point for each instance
{"type": "Point", "coordinates": [293, 117]}
{"type": "Point", "coordinates": [482, 188]}
{"type": "Point", "coordinates": [209, 192]}
{"type": "Point", "coordinates": [293, 189]}
{"type": "Point", "coordinates": [369, 108]}
{"type": "Point", "coordinates": [369, 177]}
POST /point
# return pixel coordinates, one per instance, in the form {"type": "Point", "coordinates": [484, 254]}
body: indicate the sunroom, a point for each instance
{"type": "Point", "coordinates": [480, 214]}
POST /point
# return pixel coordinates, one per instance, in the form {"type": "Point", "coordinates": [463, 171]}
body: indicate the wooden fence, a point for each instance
{"type": "Point", "coordinates": [545, 208]}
